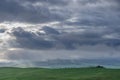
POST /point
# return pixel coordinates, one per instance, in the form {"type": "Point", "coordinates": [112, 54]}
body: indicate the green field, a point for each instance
{"type": "Point", "coordinates": [59, 74]}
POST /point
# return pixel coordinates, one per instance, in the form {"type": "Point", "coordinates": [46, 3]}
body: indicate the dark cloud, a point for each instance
{"type": "Point", "coordinates": [79, 62]}
{"type": "Point", "coordinates": [27, 39]}
{"type": "Point", "coordinates": [89, 12]}
{"type": "Point", "coordinates": [84, 2]}
{"type": "Point", "coordinates": [51, 2]}
{"type": "Point", "coordinates": [100, 18]}
{"type": "Point", "coordinates": [96, 13]}
{"type": "Point", "coordinates": [49, 30]}
{"type": "Point", "coordinates": [73, 41]}
{"type": "Point", "coordinates": [2, 30]}
{"type": "Point", "coordinates": [83, 29]}
{"type": "Point", "coordinates": [14, 10]}
{"type": "Point", "coordinates": [97, 18]}
{"type": "Point", "coordinates": [37, 58]}
{"type": "Point", "coordinates": [52, 39]}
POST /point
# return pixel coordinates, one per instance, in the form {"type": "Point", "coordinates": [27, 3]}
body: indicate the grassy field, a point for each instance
{"type": "Point", "coordinates": [59, 74]}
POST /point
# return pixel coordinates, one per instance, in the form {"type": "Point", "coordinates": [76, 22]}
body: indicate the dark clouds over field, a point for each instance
{"type": "Point", "coordinates": [28, 27]}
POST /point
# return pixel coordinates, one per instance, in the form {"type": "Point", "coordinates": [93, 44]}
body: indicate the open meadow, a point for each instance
{"type": "Point", "coordinates": [59, 74]}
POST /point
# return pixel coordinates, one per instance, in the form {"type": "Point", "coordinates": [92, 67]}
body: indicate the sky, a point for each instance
{"type": "Point", "coordinates": [33, 31]}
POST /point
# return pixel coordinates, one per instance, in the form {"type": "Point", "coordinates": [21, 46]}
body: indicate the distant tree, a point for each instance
{"type": "Point", "coordinates": [99, 66]}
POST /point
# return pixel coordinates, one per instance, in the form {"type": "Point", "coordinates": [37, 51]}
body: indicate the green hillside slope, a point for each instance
{"type": "Point", "coordinates": [59, 74]}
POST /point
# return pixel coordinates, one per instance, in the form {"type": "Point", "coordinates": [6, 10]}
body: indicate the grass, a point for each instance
{"type": "Point", "coordinates": [59, 74]}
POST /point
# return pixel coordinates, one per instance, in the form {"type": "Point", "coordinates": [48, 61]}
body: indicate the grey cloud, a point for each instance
{"type": "Point", "coordinates": [52, 39]}
{"type": "Point", "coordinates": [96, 13]}
{"type": "Point", "coordinates": [88, 12]}
{"type": "Point", "coordinates": [13, 10]}
{"type": "Point", "coordinates": [84, 2]}
{"type": "Point", "coordinates": [49, 30]}
{"type": "Point", "coordinates": [92, 18]}
{"type": "Point", "coordinates": [93, 14]}
{"type": "Point", "coordinates": [95, 32]}
{"type": "Point", "coordinates": [85, 54]}
{"type": "Point", "coordinates": [51, 2]}
{"type": "Point", "coordinates": [44, 55]}
{"type": "Point", "coordinates": [2, 30]}
{"type": "Point", "coordinates": [30, 40]}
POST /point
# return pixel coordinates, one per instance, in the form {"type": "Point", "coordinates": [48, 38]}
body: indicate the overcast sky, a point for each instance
{"type": "Point", "coordinates": [42, 30]}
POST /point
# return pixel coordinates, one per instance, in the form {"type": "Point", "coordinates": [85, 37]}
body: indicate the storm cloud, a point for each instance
{"type": "Point", "coordinates": [61, 29]}
{"type": "Point", "coordinates": [27, 11]}
{"type": "Point", "coordinates": [54, 39]}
